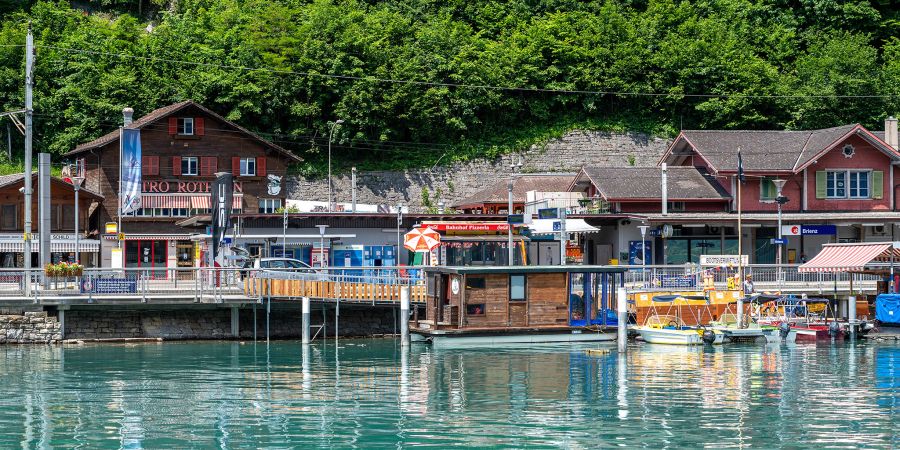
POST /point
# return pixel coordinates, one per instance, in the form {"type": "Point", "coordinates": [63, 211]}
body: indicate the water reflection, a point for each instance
{"type": "Point", "coordinates": [370, 393]}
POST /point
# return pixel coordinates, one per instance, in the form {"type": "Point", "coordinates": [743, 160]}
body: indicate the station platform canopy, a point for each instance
{"type": "Point", "coordinates": [856, 257]}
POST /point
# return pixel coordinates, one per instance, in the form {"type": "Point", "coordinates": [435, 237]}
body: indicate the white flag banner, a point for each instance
{"type": "Point", "coordinates": [130, 194]}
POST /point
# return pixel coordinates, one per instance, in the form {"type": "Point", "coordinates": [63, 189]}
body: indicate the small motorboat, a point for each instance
{"type": "Point", "coordinates": [670, 328]}
{"type": "Point", "coordinates": [811, 319]}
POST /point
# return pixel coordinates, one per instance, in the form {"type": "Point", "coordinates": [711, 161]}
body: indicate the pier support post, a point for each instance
{"type": "Point", "coordinates": [62, 323]}
{"type": "Point", "coordinates": [235, 322]}
{"type": "Point", "coordinates": [851, 315]}
{"type": "Point", "coordinates": [740, 312]}
{"type": "Point", "coordinates": [305, 330]}
{"type": "Point", "coordinates": [404, 316]}
{"type": "Point", "coordinates": [622, 325]}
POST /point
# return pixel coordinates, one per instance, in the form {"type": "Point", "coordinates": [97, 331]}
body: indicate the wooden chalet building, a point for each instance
{"type": "Point", "coordinates": [62, 222]}
{"type": "Point", "coordinates": [183, 146]}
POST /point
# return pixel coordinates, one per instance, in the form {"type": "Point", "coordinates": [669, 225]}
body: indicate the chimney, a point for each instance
{"type": "Point", "coordinates": [890, 132]}
{"type": "Point", "coordinates": [127, 114]}
{"type": "Point", "coordinates": [665, 189]}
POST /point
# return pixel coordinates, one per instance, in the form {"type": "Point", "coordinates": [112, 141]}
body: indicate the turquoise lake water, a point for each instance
{"type": "Point", "coordinates": [367, 393]}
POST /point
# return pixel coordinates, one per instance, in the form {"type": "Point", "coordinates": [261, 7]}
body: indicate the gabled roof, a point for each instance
{"type": "Point", "coordinates": [497, 192]}
{"type": "Point", "coordinates": [639, 183]}
{"type": "Point", "coordinates": [9, 180]}
{"type": "Point", "coordinates": [766, 150]}
{"type": "Point", "coordinates": [161, 113]}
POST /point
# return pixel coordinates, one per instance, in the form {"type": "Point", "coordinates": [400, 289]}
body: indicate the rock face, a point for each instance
{"type": "Point", "coordinates": [456, 182]}
{"type": "Point", "coordinates": [31, 327]}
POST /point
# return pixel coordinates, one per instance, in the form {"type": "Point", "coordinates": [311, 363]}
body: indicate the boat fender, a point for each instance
{"type": "Point", "coordinates": [709, 336]}
{"type": "Point", "coordinates": [834, 329]}
{"type": "Point", "coordinates": [784, 329]}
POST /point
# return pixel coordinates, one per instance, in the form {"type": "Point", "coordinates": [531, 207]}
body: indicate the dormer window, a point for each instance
{"type": "Point", "coordinates": [185, 126]}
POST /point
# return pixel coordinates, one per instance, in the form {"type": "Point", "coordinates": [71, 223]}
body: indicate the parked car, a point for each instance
{"type": "Point", "coordinates": [287, 265]}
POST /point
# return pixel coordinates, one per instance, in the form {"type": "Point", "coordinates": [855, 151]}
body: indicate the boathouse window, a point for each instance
{"type": "Point", "coordinates": [186, 126]}
{"type": "Point", "coordinates": [189, 165]}
{"type": "Point", "coordinates": [475, 283]}
{"type": "Point", "coordinates": [517, 288]}
{"type": "Point", "coordinates": [476, 309]}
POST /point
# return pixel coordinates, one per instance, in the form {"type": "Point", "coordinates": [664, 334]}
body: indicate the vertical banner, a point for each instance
{"type": "Point", "coordinates": [639, 252]}
{"type": "Point", "coordinates": [130, 185]}
{"type": "Point", "coordinates": [222, 196]}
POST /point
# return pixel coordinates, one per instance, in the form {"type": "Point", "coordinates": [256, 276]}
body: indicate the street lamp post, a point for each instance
{"type": "Point", "coordinates": [779, 185]}
{"type": "Point", "coordinates": [330, 136]}
{"type": "Point", "coordinates": [643, 229]}
{"type": "Point", "coordinates": [510, 251]}
{"type": "Point", "coordinates": [322, 244]}
{"type": "Point", "coordinates": [76, 182]}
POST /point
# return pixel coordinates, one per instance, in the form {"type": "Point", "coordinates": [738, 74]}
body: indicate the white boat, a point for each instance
{"type": "Point", "coordinates": [671, 330]}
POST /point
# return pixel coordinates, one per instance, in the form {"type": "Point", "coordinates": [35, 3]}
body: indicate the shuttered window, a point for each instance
{"type": "Point", "coordinates": [767, 190]}
{"type": "Point", "coordinates": [208, 166]}
{"type": "Point", "coordinates": [855, 184]}
{"type": "Point", "coordinates": [150, 165]}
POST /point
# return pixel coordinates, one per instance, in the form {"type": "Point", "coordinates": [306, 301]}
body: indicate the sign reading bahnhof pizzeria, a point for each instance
{"type": "Point", "coordinates": [185, 187]}
{"type": "Point", "coordinates": [471, 226]}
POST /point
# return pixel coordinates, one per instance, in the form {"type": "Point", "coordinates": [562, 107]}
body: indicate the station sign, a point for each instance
{"type": "Point", "coordinates": [776, 241]}
{"type": "Point", "coordinates": [515, 219]}
{"type": "Point", "coordinates": [808, 230]}
{"type": "Point", "coordinates": [724, 260]}
{"type": "Point", "coordinates": [548, 213]}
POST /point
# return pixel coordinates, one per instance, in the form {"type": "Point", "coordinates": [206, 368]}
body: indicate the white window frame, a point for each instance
{"type": "Point", "coordinates": [848, 193]}
{"type": "Point", "coordinates": [186, 162]}
{"type": "Point", "coordinates": [269, 205]}
{"type": "Point", "coordinates": [850, 189]}
{"type": "Point", "coordinates": [245, 167]}
{"type": "Point", "coordinates": [184, 123]}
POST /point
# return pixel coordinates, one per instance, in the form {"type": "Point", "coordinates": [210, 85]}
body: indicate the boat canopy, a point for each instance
{"type": "Point", "coordinates": [851, 257]}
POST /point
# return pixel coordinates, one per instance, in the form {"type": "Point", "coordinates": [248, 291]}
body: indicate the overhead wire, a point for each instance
{"type": "Point", "coordinates": [464, 85]}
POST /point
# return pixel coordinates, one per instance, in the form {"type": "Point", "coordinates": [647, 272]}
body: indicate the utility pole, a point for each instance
{"type": "Point", "coordinates": [29, 113]}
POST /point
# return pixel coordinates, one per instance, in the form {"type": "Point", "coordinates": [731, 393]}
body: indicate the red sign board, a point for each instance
{"type": "Point", "coordinates": [467, 226]}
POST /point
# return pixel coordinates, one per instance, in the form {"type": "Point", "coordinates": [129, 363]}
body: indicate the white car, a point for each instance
{"type": "Point", "coordinates": [284, 267]}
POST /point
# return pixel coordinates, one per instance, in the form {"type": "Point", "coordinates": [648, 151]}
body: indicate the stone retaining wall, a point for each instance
{"type": "Point", "coordinates": [30, 327]}
{"type": "Point", "coordinates": [458, 181]}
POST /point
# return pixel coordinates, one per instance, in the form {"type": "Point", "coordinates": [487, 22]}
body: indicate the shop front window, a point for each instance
{"type": "Point", "coordinates": [147, 255]}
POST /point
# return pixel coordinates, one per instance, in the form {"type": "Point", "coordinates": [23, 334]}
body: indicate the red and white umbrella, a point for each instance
{"type": "Point", "coordinates": [421, 239]}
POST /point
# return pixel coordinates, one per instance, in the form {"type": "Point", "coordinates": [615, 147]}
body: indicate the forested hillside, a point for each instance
{"type": "Point", "coordinates": [417, 81]}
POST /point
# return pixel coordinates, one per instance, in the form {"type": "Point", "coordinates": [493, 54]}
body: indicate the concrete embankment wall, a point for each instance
{"type": "Point", "coordinates": [187, 322]}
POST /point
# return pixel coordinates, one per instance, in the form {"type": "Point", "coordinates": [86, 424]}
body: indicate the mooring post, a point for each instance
{"type": "Point", "coordinates": [305, 330]}
{"type": "Point", "coordinates": [62, 323]}
{"type": "Point", "coordinates": [235, 324]}
{"type": "Point", "coordinates": [851, 315]}
{"type": "Point", "coordinates": [404, 316]}
{"type": "Point", "coordinates": [254, 322]}
{"type": "Point", "coordinates": [337, 317]}
{"type": "Point", "coordinates": [622, 324]}
{"type": "Point", "coordinates": [268, 313]}
{"type": "Point", "coordinates": [740, 311]}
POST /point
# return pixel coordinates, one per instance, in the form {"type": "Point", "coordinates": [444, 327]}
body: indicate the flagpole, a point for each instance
{"type": "Point", "coordinates": [740, 181]}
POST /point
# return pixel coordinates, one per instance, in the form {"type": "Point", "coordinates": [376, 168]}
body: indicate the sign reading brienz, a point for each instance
{"type": "Point", "coordinates": [808, 230]}
{"type": "Point", "coordinates": [184, 187]}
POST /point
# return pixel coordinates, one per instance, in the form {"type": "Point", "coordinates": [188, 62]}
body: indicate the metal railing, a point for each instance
{"type": "Point", "coordinates": [766, 277]}
{"type": "Point", "coordinates": [208, 284]}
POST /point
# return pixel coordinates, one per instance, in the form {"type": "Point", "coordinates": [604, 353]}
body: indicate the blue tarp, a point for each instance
{"type": "Point", "coordinates": [887, 308]}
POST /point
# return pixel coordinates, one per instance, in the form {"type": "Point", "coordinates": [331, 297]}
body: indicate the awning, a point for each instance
{"type": "Point", "coordinates": [545, 226]}
{"type": "Point", "coordinates": [202, 201]}
{"type": "Point", "coordinates": [850, 257]}
{"type": "Point", "coordinates": [150, 237]}
{"type": "Point", "coordinates": [482, 238]}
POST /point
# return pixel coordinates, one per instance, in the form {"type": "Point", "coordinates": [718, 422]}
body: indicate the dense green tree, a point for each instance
{"type": "Point", "coordinates": [417, 81]}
